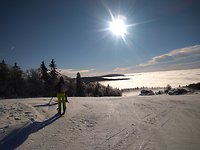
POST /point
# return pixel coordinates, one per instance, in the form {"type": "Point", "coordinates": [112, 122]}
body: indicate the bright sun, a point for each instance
{"type": "Point", "coordinates": [118, 27]}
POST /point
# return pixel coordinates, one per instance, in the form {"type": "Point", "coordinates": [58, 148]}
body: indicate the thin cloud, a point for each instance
{"type": "Point", "coordinates": [120, 70]}
{"type": "Point", "coordinates": [177, 54]}
{"type": "Point", "coordinates": [182, 58]}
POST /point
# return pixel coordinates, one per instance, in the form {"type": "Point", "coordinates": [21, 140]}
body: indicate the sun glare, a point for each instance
{"type": "Point", "coordinates": [117, 27]}
{"type": "Point", "coordinates": [120, 26]}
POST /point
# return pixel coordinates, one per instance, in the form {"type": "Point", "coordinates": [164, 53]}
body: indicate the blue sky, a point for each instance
{"type": "Point", "coordinates": [166, 35]}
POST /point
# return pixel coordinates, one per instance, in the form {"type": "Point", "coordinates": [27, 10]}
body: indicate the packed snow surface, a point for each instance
{"type": "Point", "coordinates": [158, 122]}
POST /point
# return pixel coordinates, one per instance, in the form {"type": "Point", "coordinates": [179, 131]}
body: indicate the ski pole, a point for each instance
{"type": "Point", "coordinates": [50, 100]}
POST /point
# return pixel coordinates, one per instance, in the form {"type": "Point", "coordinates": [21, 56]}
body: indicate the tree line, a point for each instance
{"type": "Point", "coordinates": [14, 82]}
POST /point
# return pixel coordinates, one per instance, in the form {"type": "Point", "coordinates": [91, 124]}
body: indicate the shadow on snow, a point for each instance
{"type": "Point", "coordinates": [44, 105]}
{"type": "Point", "coordinates": [18, 136]}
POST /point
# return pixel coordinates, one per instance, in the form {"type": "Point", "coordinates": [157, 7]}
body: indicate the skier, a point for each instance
{"type": "Point", "coordinates": [60, 88]}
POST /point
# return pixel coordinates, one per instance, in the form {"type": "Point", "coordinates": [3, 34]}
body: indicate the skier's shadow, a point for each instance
{"type": "Point", "coordinates": [18, 136]}
{"type": "Point", "coordinates": [44, 105]}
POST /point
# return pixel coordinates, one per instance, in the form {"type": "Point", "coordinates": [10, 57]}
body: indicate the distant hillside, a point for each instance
{"type": "Point", "coordinates": [112, 75]}
{"type": "Point", "coordinates": [102, 78]}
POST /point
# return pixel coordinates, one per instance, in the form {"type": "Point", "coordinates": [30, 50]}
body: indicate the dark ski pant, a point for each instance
{"type": "Point", "coordinates": [61, 100]}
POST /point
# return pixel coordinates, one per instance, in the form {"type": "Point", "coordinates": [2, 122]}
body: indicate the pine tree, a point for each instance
{"type": "Point", "coordinates": [16, 81]}
{"type": "Point", "coordinates": [3, 62]}
{"type": "Point", "coordinates": [107, 90]}
{"type": "Point", "coordinates": [53, 72]}
{"type": "Point", "coordinates": [4, 78]}
{"type": "Point", "coordinates": [46, 78]}
{"type": "Point", "coordinates": [51, 78]}
{"type": "Point", "coordinates": [3, 71]}
{"type": "Point", "coordinates": [72, 88]}
{"type": "Point", "coordinates": [34, 84]}
{"type": "Point", "coordinates": [44, 73]}
{"type": "Point", "coordinates": [43, 68]}
{"type": "Point", "coordinates": [79, 87]}
{"type": "Point", "coordinates": [168, 87]}
{"type": "Point", "coordinates": [96, 92]}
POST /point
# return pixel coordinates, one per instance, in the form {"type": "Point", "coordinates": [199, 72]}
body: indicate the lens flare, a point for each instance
{"type": "Point", "coordinates": [117, 27]}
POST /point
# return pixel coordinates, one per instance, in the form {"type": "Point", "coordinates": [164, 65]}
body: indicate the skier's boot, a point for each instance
{"type": "Point", "coordinates": [64, 110]}
{"type": "Point", "coordinates": [59, 111]}
{"type": "Point", "coordinates": [66, 100]}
